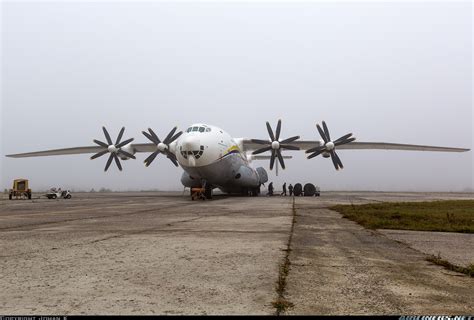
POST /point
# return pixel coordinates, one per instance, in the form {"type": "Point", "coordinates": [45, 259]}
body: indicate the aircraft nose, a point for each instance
{"type": "Point", "coordinates": [190, 143]}
{"type": "Point", "coordinates": [190, 148]}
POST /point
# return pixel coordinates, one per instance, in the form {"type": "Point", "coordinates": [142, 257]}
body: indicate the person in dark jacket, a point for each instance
{"type": "Point", "coordinates": [270, 189]}
{"type": "Point", "coordinates": [290, 189]}
{"type": "Point", "coordinates": [283, 193]}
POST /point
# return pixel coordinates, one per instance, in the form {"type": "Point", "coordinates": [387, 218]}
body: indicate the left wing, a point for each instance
{"type": "Point", "coordinates": [325, 147]}
{"type": "Point", "coordinates": [250, 146]}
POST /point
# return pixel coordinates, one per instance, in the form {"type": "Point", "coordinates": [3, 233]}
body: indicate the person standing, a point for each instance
{"type": "Point", "coordinates": [270, 189]}
{"type": "Point", "coordinates": [284, 190]}
{"type": "Point", "coordinates": [290, 189]}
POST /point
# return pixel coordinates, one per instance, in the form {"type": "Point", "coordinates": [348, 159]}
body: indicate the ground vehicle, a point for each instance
{"type": "Point", "coordinates": [54, 193]}
{"type": "Point", "coordinates": [20, 189]}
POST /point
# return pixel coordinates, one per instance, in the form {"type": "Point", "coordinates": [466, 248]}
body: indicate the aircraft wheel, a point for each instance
{"type": "Point", "coordinates": [208, 192]}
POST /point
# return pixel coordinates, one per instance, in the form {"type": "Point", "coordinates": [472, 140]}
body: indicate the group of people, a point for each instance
{"type": "Point", "coordinates": [283, 193]}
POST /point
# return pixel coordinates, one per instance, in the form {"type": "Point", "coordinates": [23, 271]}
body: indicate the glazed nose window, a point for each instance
{"type": "Point", "coordinates": [196, 153]}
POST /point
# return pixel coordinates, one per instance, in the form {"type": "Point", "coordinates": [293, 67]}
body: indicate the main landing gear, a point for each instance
{"type": "Point", "coordinates": [250, 192]}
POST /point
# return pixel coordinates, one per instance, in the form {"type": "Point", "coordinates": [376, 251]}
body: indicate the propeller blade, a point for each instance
{"type": "Point", "coordinates": [289, 147]}
{"type": "Point", "coordinates": [290, 139]}
{"type": "Point", "coordinates": [270, 132]}
{"type": "Point", "coordinates": [170, 134]}
{"type": "Point", "coordinates": [117, 161]}
{"type": "Point", "coordinates": [109, 162]}
{"type": "Point", "coordinates": [344, 142]}
{"type": "Point", "coordinates": [149, 137]}
{"type": "Point", "coordinates": [280, 158]}
{"type": "Point", "coordinates": [322, 134]}
{"type": "Point", "coordinates": [272, 159]}
{"type": "Point", "coordinates": [172, 157]}
{"type": "Point", "coordinates": [343, 137]}
{"type": "Point", "coordinates": [102, 144]}
{"type": "Point", "coordinates": [100, 154]}
{"type": "Point", "coordinates": [155, 137]}
{"type": "Point", "coordinates": [338, 160]}
{"type": "Point", "coordinates": [320, 148]}
{"type": "Point", "coordinates": [176, 136]}
{"type": "Point", "coordinates": [258, 141]}
{"type": "Point", "coordinates": [129, 155]}
{"type": "Point", "coordinates": [107, 136]}
{"type": "Point", "coordinates": [262, 150]}
{"type": "Point", "coordinates": [124, 143]}
{"type": "Point", "coordinates": [326, 131]}
{"type": "Point", "coordinates": [120, 135]}
{"type": "Point", "coordinates": [315, 154]}
{"type": "Point", "coordinates": [333, 158]}
{"type": "Point", "coordinates": [152, 157]}
{"type": "Point", "coordinates": [278, 130]}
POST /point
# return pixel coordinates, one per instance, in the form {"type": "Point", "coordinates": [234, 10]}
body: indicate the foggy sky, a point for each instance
{"type": "Point", "coordinates": [388, 72]}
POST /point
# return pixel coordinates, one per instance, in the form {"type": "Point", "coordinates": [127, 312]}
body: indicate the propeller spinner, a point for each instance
{"type": "Point", "coordinates": [113, 149]}
{"type": "Point", "coordinates": [162, 146]}
{"type": "Point", "coordinates": [330, 146]}
{"type": "Point", "coordinates": [275, 145]}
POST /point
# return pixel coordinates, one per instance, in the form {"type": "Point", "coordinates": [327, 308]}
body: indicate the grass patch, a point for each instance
{"type": "Point", "coordinates": [281, 304]}
{"type": "Point", "coordinates": [469, 270]}
{"type": "Point", "coordinates": [447, 216]}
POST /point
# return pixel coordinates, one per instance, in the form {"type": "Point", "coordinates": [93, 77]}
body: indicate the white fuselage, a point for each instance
{"type": "Point", "coordinates": [208, 154]}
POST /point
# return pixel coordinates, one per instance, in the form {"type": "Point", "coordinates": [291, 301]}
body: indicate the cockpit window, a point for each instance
{"type": "Point", "coordinates": [198, 129]}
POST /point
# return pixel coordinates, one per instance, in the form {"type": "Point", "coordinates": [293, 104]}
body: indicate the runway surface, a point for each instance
{"type": "Point", "coordinates": [160, 253]}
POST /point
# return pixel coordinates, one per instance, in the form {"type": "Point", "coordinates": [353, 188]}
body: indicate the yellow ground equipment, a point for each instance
{"type": "Point", "coordinates": [198, 193]}
{"type": "Point", "coordinates": [20, 189]}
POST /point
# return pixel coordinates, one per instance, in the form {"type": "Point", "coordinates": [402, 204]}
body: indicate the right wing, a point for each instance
{"type": "Point", "coordinates": [141, 147]}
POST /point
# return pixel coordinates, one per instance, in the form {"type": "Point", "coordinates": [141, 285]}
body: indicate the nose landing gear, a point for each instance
{"type": "Point", "coordinates": [203, 193]}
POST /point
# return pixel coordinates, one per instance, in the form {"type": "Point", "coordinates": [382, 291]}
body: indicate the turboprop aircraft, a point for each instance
{"type": "Point", "coordinates": [211, 158]}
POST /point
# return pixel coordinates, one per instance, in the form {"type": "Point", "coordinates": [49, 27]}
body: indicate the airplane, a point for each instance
{"type": "Point", "coordinates": [212, 159]}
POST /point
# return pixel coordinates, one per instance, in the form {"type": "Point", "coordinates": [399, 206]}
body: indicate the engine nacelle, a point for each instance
{"type": "Point", "coordinates": [129, 149]}
{"type": "Point", "coordinates": [326, 154]}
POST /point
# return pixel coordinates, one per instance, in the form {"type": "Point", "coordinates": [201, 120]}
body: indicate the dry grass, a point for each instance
{"type": "Point", "coordinates": [469, 270]}
{"type": "Point", "coordinates": [447, 216]}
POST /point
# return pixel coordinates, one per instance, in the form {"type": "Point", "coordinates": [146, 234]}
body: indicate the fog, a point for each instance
{"type": "Point", "coordinates": [388, 72]}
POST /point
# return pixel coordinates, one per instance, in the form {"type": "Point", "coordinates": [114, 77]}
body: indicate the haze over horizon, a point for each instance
{"type": "Point", "coordinates": [388, 72]}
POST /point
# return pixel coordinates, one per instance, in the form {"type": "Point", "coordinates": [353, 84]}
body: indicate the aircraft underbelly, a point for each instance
{"type": "Point", "coordinates": [224, 174]}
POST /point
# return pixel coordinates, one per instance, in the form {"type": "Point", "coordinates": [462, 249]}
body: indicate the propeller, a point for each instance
{"type": "Point", "coordinates": [330, 146]}
{"type": "Point", "coordinates": [162, 146]}
{"type": "Point", "coordinates": [113, 148]}
{"type": "Point", "coordinates": [275, 145]}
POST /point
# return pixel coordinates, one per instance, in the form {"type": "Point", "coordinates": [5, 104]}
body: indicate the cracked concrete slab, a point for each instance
{"type": "Point", "coordinates": [160, 253]}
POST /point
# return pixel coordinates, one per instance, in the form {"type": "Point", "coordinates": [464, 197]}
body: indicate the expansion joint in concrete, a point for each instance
{"type": "Point", "coordinates": [281, 304]}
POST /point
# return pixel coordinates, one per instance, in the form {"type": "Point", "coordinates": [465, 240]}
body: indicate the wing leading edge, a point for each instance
{"type": "Point", "coordinates": [142, 147]}
{"type": "Point", "coordinates": [248, 145]}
